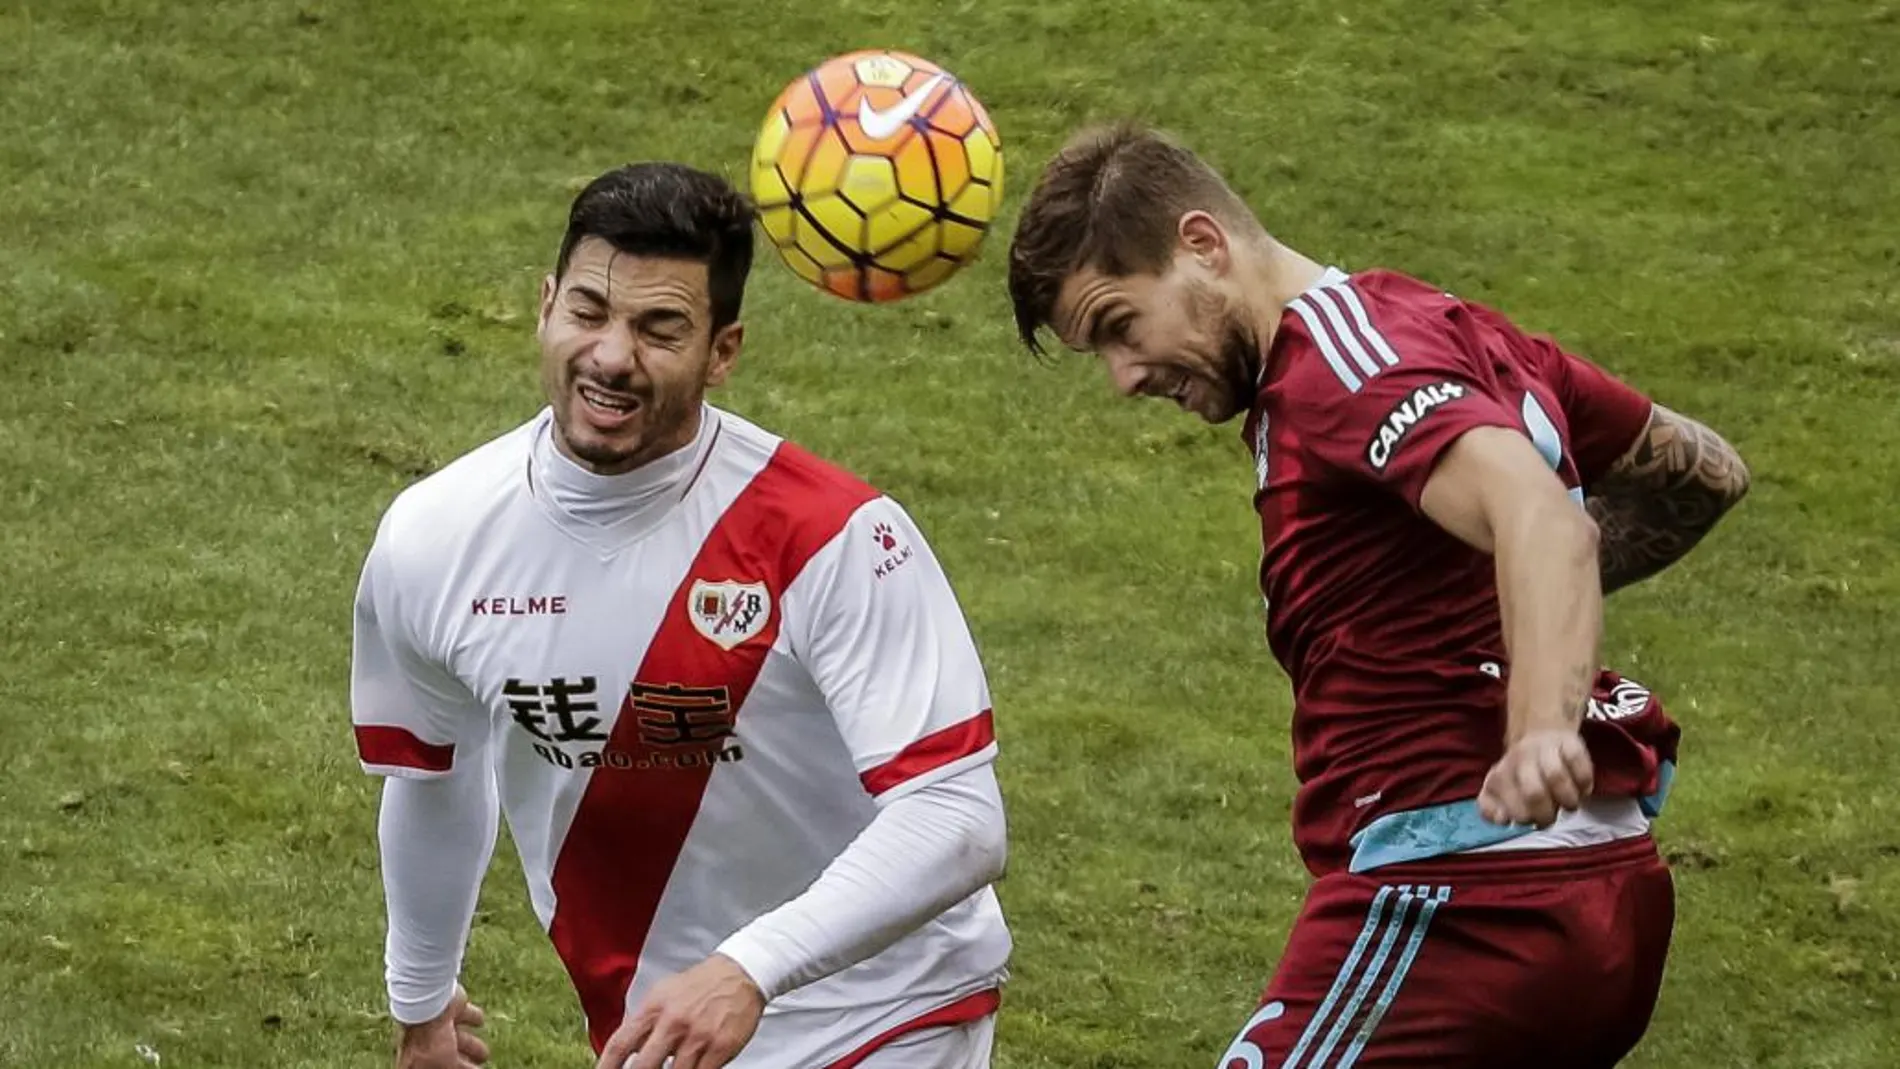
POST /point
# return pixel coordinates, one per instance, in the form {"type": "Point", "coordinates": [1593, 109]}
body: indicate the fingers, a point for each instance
{"type": "Point", "coordinates": [658, 1044]}
{"type": "Point", "coordinates": [1492, 804]}
{"type": "Point", "coordinates": [617, 1052]}
{"type": "Point", "coordinates": [703, 1051]}
{"type": "Point", "coordinates": [691, 1054]}
{"type": "Point", "coordinates": [471, 1048]}
{"type": "Point", "coordinates": [1566, 788]}
{"type": "Point", "coordinates": [1537, 780]}
{"type": "Point", "coordinates": [1577, 757]}
{"type": "Point", "coordinates": [689, 1049]}
{"type": "Point", "coordinates": [1514, 793]}
{"type": "Point", "coordinates": [466, 1016]}
{"type": "Point", "coordinates": [626, 1039]}
{"type": "Point", "coordinates": [434, 1045]}
{"type": "Point", "coordinates": [1536, 788]}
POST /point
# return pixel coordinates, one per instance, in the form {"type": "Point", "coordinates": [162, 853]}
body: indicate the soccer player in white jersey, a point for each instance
{"type": "Point", "coordinates": [722, 690]}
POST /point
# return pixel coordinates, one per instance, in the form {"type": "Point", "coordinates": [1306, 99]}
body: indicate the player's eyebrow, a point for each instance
{"type": "Point", "coordinates": [588, 293]}
{"type": "Point", "coordinates": [667, 316]}
{"type": "Point", "coordinates": [1081, 333]}
{"type": "Point", "coordinates": [1098, 321]}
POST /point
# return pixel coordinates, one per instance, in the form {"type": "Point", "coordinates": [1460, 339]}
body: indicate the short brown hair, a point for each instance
{"type": "Point", "coordinates": [1111, 199]}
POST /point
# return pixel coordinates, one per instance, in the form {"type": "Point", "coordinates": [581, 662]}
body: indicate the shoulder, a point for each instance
{"type": "Point", "coordinates": [793, 488]}
{"type": "Point", "coordinates": [432, 517]}
{"type": "Point", "coordinates": [1341, 336]}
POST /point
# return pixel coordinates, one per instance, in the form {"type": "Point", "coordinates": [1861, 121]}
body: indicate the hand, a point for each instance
{"type": "Point", "coordinates": [447, 1042]}
{"type": "Point", "coordinates": [702, 1018]}
{"type": "Point", "coordinates": [1541, 773]}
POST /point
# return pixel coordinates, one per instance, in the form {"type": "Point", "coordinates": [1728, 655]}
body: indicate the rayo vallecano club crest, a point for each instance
{"type": "Point", "coordinates": [729, 612]}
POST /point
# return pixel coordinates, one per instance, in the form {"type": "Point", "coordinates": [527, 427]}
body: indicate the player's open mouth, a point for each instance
{"type": "Point", "coordinates": [611, 405]}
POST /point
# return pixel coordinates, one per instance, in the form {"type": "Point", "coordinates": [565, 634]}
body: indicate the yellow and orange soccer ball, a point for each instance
{"type": "Point", "coordinates": [876, 175]}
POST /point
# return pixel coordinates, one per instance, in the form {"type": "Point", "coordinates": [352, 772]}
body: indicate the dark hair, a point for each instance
{"type": "Point", "coordinates": [671, 210]}
{"type": "Point", "coordinates": [1111, 199]}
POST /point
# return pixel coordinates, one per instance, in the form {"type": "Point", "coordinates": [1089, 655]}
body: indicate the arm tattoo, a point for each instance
{"type": "Point", "coordinates": [1657, 502]}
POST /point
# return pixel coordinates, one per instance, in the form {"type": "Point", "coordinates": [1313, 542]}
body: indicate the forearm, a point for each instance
{"type": "Point", "coordinates": [920, 855]}
{"type": "Point", "coordinates": [1551, 602]}
{"type": "Point", "coordinates": [436, 839]}
{"type": "Point", "coordinates": [1662, 497]}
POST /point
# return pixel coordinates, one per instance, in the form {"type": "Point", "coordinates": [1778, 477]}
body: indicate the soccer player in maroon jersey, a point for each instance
{"type": "Point", "coordinates": [1444, 499]}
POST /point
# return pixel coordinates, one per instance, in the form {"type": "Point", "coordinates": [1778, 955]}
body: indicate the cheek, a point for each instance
{"type": "Point", "coordinates": [553, 360]}
{"type": "Point", "coordinates": [557, 342]}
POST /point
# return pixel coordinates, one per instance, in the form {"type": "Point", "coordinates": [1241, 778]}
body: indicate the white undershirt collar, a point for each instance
{"type": "Point", "coordinates": [611, 510]}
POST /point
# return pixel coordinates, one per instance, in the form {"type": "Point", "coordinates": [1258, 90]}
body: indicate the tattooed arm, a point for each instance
{"type": "Point", "coordinates": [1661, 497]}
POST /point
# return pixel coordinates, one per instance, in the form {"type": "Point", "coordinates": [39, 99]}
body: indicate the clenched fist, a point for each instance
{"type": "Point", "coordinates": [1541, 774]}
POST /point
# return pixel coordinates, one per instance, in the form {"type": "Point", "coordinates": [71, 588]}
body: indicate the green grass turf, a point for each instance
{"type": "Point", "coordinates": [263, 263]}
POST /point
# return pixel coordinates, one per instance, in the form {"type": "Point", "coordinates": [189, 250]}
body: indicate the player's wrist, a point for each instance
{"type": "Point", "coordinates": [1538, 731]}
{"type": "Point", "coordinates": [739, 972]}
{"type": "Point", "coordinates": [413, 1012]}
{"type": "Point", "coordinates": [425, 1035]}
{"type": "Point", "coordinates": [754, 959]}
{"type": "Point", "coordinates": [1529, 715]}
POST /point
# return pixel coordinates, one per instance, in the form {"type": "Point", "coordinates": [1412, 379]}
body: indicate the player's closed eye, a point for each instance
{"type": "Point", "coordinates": [666, 330]}
{"type": "Point", "coordinates": [1102, 334]}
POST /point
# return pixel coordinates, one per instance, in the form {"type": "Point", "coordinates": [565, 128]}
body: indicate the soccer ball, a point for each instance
{"type": "Point", "coordinates": [876, 175]}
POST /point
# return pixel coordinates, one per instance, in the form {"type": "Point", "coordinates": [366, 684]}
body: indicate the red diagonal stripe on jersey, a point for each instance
{"type": "Point", "coordinates": [631, 824]}
{"type": "Point", "coordinates": [384, 744]}
{"type": "Point", "coordinates": [932, 752]}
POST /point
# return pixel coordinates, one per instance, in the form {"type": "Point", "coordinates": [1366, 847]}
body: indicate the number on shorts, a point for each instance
{"type": "Point", "coordinates": [1245, 1053]}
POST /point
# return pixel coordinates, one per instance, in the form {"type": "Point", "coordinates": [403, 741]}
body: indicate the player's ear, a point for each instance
{"type": "Point", "coordinates": [1203, 238]}
{"type": "Point", "coordinates": [548, 287]}
{"type": "Point", "coordinates": [726, 343]}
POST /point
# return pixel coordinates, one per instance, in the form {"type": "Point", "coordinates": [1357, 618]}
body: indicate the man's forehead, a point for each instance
{"type": "Point", "coordinates": [1084, 294]}
{"type": "Point", "coordinates": [597, 266]}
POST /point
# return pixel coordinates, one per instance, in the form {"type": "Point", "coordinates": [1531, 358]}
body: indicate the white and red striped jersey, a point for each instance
{"type": "Point", "coordinates": [689, 718]}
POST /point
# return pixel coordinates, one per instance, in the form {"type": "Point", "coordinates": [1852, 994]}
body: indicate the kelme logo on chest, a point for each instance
{"type": "Point", "coordinates": [533, 605]}
{"type": "Point", "coordinates": [728, 612]}
{"type": "Point", "coordinates": [1405, 415]}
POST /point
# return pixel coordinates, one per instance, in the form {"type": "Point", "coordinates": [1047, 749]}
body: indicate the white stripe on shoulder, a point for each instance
{"type": "Point", "coordinates": [1366, 330]}
{"type": "Point", "coordinates": [1321, 338]}
{"type": "Point", "coordinates": [1324, 300]}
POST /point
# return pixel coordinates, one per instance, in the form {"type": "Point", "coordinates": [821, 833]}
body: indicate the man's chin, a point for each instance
{"type": "Point", "coordinates": [599, 453]}
{"type": "Point", "coordinates": [1220, 409]}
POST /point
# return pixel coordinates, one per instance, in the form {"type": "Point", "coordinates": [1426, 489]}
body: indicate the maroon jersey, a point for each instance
{"type": "Point", "coordinates": [1388, 625]}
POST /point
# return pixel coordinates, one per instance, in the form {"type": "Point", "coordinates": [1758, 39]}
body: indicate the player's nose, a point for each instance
{"type": "Point", "coordinates": [615, 351]}
{"type": "Point", "coordinates": [1128, 376]}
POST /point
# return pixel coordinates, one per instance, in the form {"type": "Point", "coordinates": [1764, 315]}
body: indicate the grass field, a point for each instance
{"type": "Point", "coordinates": [263, 263]}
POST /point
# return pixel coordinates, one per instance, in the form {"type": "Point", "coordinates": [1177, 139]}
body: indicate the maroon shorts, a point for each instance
{"type": "Point", "coordinates": [1545, 958]}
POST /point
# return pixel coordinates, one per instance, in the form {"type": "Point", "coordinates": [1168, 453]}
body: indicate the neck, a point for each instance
{"type": "Point", "coordinates": [1276, 275]}
{"type": "Point", "coordinates": [1271, 276]}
